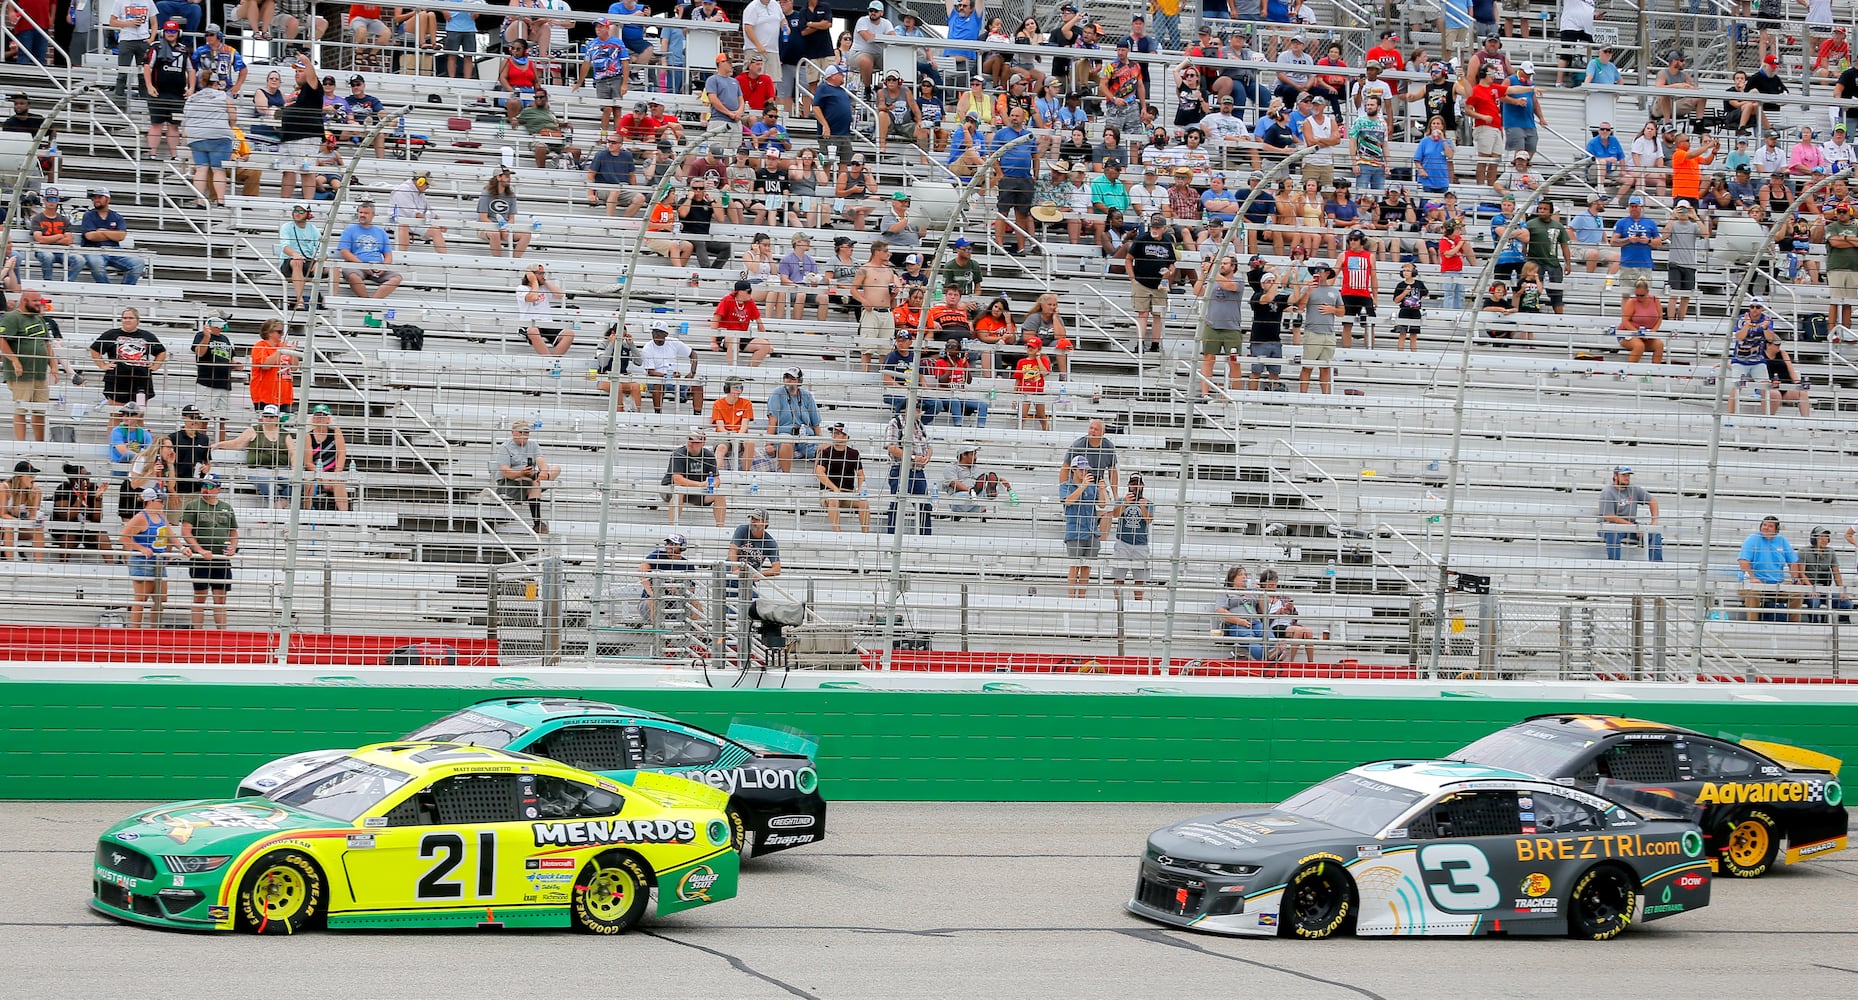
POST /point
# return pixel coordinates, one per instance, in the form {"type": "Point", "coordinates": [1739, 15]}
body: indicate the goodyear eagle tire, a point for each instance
{"type": "Point", "coordinates": [1319, 902]}
{"type": "Point", "coordinates": [1749, 841]}
{"type": "Point", "coordinates": [1601, 905]}
{"type": "Point", "coordinates": [281, 893]}
{"type": "Point", "coordinates": [610, 894]}
{"type": "Point", "coordinates": [740, 836]}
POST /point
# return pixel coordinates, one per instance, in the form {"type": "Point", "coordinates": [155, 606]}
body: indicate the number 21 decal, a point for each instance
{"type": "Point", "coordinates": [449, 848]}
{"type": "Point", "coordinates": [1469, 886]}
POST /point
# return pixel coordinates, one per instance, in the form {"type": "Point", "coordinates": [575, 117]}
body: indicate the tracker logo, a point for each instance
{"type": "Point", "coordinates": [596, 831]}
{"type": "Point", "coordinates": [1690, 881]}
{"type": "Point", "coordinates": [790, 822]}
{"type": "Point", "coordinates": [1540, 906]}
{"type": "Point", "coordinates": [787, 839]}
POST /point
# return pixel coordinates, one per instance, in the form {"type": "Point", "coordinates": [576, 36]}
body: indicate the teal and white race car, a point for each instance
{"type": "Point", "coordinates": [768, 773]}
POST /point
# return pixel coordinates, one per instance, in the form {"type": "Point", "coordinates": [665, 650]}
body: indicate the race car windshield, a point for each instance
{"type": "Point", "coordinates": [1531, 751]}
{"type": "Point", "coordinates": [342, 789]}
{"type": "Point", "coordinates": [470, 727]}
{"type": "Point", "coordinates": [1351, 802]}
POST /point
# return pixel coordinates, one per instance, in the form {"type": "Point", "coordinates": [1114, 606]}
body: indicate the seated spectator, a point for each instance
{"type": "Point", "coordinates": [793, 413]}
{"type": "Point", "coordinates": [1821, 567]}
{"type": "Point", "coordinates": [22, 514]}
{"type": "Point", "coordinates": [1640, 316]}
{"type": "Point", "coordinates": [413, 214]}
{"type": "Point", "coordinates": [51, 231]}
{"type": "Point", "coordinates": [1619, 517]}
{"type": "Point", "coordinates": [1235, 614]}
{"type": "Point", "coordinates": [621, 355]}
{"type": "Point", "coordinates": [1768, 561]}
{"type": "Point", "coordinates": [366, 244]}
{"type": "Point", "coordinates": [536, 296]}
{"type": "Point", "coordinates": [101, 233]}
{"type": "Point", "coordinates": [77, 504]}
{"type": "Point", "coordinates": [693, 477]}
{"type": "Point", "coordinates": [498, 219]}
{"type": "Point", "coordinates": [613, 168]}
{"type": "Point", "coordinates": [660, 360]}
{"type": "Point", "coordinates": [268, 454]}
{"type": "Point", "coordinates": [325, 459]}
{"type": "Point", "coordinates": [661, 237]}
{"type": "Point", "coordinates": [949, 371]}
{"type": "Point", "coordinates": [966, 486]}
{"type": "Point", "coordinates": [522, 472]}
{"type": "Point", "coordinates": [734, 317]}
{"type": "Point", "coordinates": [801, 282]}
{"type": "Point", "coordinates": [1280, 616]}
{"type": "Point", "coordinates": [732, 415]}
{"type": "Point", "coordinates": [551, 134]}
{"type": "Point", "coordinates": [1785, 383]}
{"type": "Point", "coordinates": [840, 473]}
{"type": "Point", "coordinates": [516, 76]}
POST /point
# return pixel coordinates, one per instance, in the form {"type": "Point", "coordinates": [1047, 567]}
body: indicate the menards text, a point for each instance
{"type": "Point", "coordinates": [1610, 845]}
{"type": "Point", "coordinates": [618, 831]}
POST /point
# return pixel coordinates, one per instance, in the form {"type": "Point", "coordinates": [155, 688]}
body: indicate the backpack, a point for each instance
{"type": "Point", "coordinates": [412, 337]}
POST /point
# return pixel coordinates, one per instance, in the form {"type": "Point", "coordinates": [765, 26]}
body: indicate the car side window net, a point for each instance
{"type": "Point", "coordinates": [590, 748]}
{"type": "Point", "coordinates": [1715, 761]}
{"type": "Point", "coordinates": [1556, 814]}
{"type": "Point", "coordinates": [1639, 761]}
{"type": "Point", "coordinates": [1475, 814]}
{"type": "Point", "coordinates": [559, 798]}
{"type": "Point", "coordinates": [664, 748]}
{"type": "Point", "coordinates": [464, 799]}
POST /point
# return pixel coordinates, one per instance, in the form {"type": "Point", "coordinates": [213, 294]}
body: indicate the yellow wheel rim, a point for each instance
{"type": "Point", "coordinates": [1748, 843]}
{"type": "Point", "coordinates": [281, 892]}
{"type": "Point", "coordinates": [609, 893]}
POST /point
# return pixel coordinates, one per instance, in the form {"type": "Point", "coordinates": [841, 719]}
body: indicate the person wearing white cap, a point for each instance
{"type": "Point", "coordinates": [693, 475]}
{"type": "Point", "coordinates": [1085, 505]}
{"type": "Point", "coordinates": [268, 450]}
{"type": "Point", "coordinates": [864, 54]}
{"type": "Point", "coordinates": [1748, 352]}
{"type": "Point", "coordinates": [1522, 111]}
{"type": "Point", "coordinates": [1681, 233]}
{"type": "Point", "coordinates": [146, 538]}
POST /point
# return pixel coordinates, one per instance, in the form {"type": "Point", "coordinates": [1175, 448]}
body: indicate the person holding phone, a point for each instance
{"type": "Point", "coordinates": [1132, 516]}
{"type": "Point", "coordinates": [1085, 503]}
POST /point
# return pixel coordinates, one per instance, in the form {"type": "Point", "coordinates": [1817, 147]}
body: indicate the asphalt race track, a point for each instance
{"type": "Point", "coordinates": [911, 900]}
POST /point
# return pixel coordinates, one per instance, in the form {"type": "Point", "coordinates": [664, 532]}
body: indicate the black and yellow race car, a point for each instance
{"type": "Point", "coordinates": [1761, 803]}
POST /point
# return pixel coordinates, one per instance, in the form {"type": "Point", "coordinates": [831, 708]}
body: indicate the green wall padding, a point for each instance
{"type": "Point", "coordinates": [156, 740]}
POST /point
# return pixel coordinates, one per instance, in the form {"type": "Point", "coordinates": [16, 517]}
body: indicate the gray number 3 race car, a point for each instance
{"type": "Point", "coordinates": [1425, 847]}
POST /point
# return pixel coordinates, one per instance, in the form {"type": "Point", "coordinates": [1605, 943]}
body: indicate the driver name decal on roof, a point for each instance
{"type": "Point", "coordinates": [618, 831]}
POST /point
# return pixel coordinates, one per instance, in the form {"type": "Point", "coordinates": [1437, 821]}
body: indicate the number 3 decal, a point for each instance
{"type": "Point", "coordinates": [1470, 886]}
{"type": "Point", "coordinates": [449, 848]}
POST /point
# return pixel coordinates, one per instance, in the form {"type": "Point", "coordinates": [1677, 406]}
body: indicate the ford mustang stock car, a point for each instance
{"type": "Point", "coordinates": [768, 773]}
{"type": "Point", "coordinates": [1424, 848]}
{"type": "Point", "coordinates": [423, 835]}
{"type": "Point", "coordinates": [1760, 803]}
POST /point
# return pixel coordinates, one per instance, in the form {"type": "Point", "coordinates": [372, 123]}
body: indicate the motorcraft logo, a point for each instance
{"type": "Point", "coordinates": [549, 864]}
{"type": "Point", "coordinates": [597, 831]}
{"type": "Point", "coordinates": [735, 779]}
{"type": "Point", "coordinates": [787, 839]}
{"type": "Point", "coordinates": [182, 824]}
{"type": "Point", "coordinates": [696, 883]}
{"type": "Point", "coordinates": [1732, 792]}
{"type": "Point", "coordinates": [790, 822]}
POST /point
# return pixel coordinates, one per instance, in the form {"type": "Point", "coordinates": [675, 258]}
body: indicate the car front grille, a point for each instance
{"type": "Point", "coordinates": [110, 894]}
{"type": "Point", "coordinates": [124, 860]}
{"type": "Point", "coordinates": [1167, 898]}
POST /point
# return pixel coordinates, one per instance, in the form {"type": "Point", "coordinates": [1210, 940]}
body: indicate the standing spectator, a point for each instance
{"type": "Point", "coordinates": [521, 471]}
{"type": "Point", "coordinates": [268, 455]}
{"type": "Point", "coordinates": [133, 21]}
{"type": "Point", "coordinates": [792, 413]}
{"type": "Point", "coordinates": [1636, 236]}
{"type": "Point", "coordinates": [51, 229]}
{"type": "Point", "coordinates": [1432, 159]}
{"type": "Point", "coordinates": [193, 452]}
{"type": "Point", "coordinates": [1550, 246]}
{"type": "Point", "coordinates": [1124, 89]}
{"type": "Point", "coordinates": [223, 61]}
{"type": "Point", "coordinates": [1029, 376]}
{"type": "Point", "coordinates": [832, 109]}
{"type": "Point", "coordinates": [916, 481]}
{"type": "Point", "coordinates": [213, 372]}
{"type": "Point", "coordinates": [1619, 517]}
{"type": "Point", "coordinates": [1687, 168]}
{"type": "Point", "coordinates": [146, 538]}
{"type": "Point", "coordinates": [1222, 332]}
{"type": "Point", "coordinates": [841, 475]}
{"type": "Point", "coordinates": [722, 93]}
{"type": "Point", "coordinates": [1748, 351]}
{"type": "Point", "coordinates": [367, 244]}
{"type": "Point", "coordinates": [1012, 176]}
{"type": "Point", "coordinates": [409, 209]}
{"type": "Point", "coordinates": [1321, 303]}
{"type": "Point", "coordinates": [1357, 266]}
{"type": "Point", "coordinates": [1842, 267]}
{"type": "Point", "coordinates": [693, 476]}
{"type": "Point", "coordinates": [1323, 132]}
{"type": "Point", "coordinates": [1485, 104]}
{"type": "Point", "coordinates": [1085, 505]}
{"type": "Point", "coordinates": [167, 78]}
{"type": "Point", "coordinates": [875, 288]}
{"type": "Point", "coordinates": [274, 367]}
{"type": "Point", "coordinates": [1522, 111]}
{"type": "Point", "coordinates": [1768, 561]}
{"type": "Point", "coordinates": [129, 356]}
{"type": "Point", "coordinates": [297, 243]}
{"type": "Point", "coordinates": [103, 229]}
{"type": "Point", "coordinates": [731, 416]}
{"type": "Point", "coordinates": [603, 60]}
{"type": "Point", "coordinates": [1368, 145]}
{"type": "Point", "coordinates": [210, 529]}
{"type": "Point", "coordinates": [26, 343]}
{"type": "Point", "coordinates": [77, 504]}
{"type": "Point", "coordinates": [1269, 299]}
{"type": "Point", "coordinates": [1149, 264]}
{"type": "Point", "coordinates": [1133, 517]}
{"type": "Point", "coordinates": [964, 24]}
{"type": "Point", "coordinates": [1681, 262]}
{"type": "Point", "coordinates": [1097, 450]}
{"type": "Point", "coordinates": [1409, 298]}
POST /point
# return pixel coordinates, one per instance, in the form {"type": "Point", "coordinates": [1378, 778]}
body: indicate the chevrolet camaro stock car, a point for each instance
{"type": "Point", "coordinates": [768, 774]}
{"type": "Point", "coordinates": [1760, 803]}
{"type": "Point", "coordinates": [1425, 848]}
{"type": "Point", "coordinates": [423, 835]}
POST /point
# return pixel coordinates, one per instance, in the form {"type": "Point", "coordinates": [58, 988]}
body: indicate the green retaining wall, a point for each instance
{"type": "Point", "coordinates": [177, 740]}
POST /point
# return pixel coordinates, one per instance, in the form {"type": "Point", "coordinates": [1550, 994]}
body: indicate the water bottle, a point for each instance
{"type": "Point", "coordinates": [1012, 498]}
{"type": "Point", "coordinates": [754, 485]}
{"type": "Point", "coordinates": [709, 485]}
{"type": "Point", "coordinates": [864, 491]}
{"type": "Point", "coordinates": [683, 329]}
{"type": "Point", "coordinates": [390, 315]}
{"type": "Point", "coordinates": [502, 222]}
{"type": "Point", "coordinates": [535, 225]}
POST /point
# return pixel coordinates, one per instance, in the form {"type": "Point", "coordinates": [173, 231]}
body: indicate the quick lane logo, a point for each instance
{"type": "Point", "coordinates": [770, 779]}
{"type": "Point", "coordinates": [696, 884]}
{"type": "Point", "coordinates": [1622, 845]}
{"type": "Point", "coordinates": [1731, 793]}
{"type": "Point", "coordinates": [596, 831]}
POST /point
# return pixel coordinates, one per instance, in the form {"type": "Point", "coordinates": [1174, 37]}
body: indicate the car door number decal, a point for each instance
{"type": "Point", "coordinates": [449, 848]}
{"type": "Point", "coordinates": [1469, 886]}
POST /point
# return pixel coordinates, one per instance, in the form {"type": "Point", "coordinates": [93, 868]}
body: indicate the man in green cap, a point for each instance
{"type": "Point", "coordinates": [211, 531]}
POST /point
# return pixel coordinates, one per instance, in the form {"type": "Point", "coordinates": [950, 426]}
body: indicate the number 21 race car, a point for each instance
{"type": "Point", "coordinates": [1424, 848]}
{"type": "Point", "coordinates": [771, 781]}
{"type": "Point", "coordinates": [423, 835]}
{"type": "Point", "coordinates": [1752, 796]}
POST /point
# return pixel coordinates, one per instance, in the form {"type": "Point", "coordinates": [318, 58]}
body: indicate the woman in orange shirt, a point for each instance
{"type": "Point", "coordinates": [993, 327]}
{"type": "Point", "coordinates": [1687, 168]}
{"type": "Point", "coordinates": [731, 415]}
{"type": "Point", "coordinates": [274, 367]}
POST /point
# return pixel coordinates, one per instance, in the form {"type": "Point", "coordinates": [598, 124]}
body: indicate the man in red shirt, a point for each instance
{"type": "Point", "coordinates": [1385, 53]}
{"type": "Point", "coordinates": [645, 120]}
{"type": "Point", "coordinates": [757, 86]}
{"type": "Point", "coordinates": [1485, 104]}
{"type": "Point", "coordinates": [734, 317]}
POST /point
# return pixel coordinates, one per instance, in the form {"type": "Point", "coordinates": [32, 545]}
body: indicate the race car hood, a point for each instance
{"type": "Point", "coordinates": [1248, 836]}
{"type": "Point", "coordinates": [211, 826]}
{"type": "Point", "coordinates": [671, 791]}
{"type": "Point", "coordinates": [269, 778]}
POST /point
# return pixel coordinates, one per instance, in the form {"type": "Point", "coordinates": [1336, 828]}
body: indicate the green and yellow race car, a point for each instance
{"type": "Point", "coordinates": [424, 835]}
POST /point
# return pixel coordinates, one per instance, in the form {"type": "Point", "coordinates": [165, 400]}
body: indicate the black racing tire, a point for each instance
{"type": "Point", "coordinates": [740, 836]}
{"type": "Point", "coordinates": [1319, 902]}
{"type": "Point", "coordinates": [1601, 905]}
{"type": "Point", "coordinates": [282, 892]}
{"type": "Point", "coordinates": [1747, 844]}
{"type": "Point", "coordinates": [610, 894]}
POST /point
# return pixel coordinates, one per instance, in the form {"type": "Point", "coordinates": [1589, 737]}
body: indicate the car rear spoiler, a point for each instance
{"type": "Point", "coordinates": [1794, 757]}
{"type": "Point", "coordinates": [777, 739]}
{"type": "Point", "coordinates": [672, 786]}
